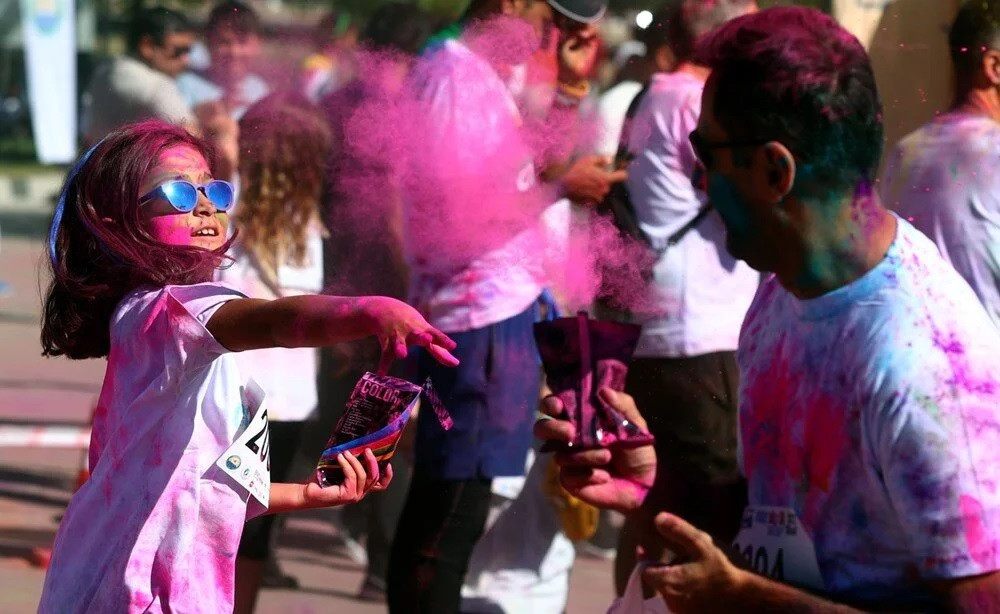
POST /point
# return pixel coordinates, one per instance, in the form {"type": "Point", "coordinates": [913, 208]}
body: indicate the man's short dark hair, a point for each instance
{"type": "Point", "coordinates": [156, 23]}
{"type": "Point", "coordinates": [688, 21]}
{"type": "Point", "coordinates": [793, 75]}
{"type": "Point", "coordinates": [236, 16]}
{"type": "Point", "coordinates": [976, 29]}
{"type": "Point", "coordinates": [396, 26]}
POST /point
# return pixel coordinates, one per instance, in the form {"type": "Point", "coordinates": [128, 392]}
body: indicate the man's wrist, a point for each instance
{"type": "Point", "coordinates": [570, 93]}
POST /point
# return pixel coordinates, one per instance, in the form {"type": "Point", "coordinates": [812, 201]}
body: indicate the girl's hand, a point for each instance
{"type": "Point", "coordinates": [397, 325]}
{"type": "Point", "coordinates": [357, 482]}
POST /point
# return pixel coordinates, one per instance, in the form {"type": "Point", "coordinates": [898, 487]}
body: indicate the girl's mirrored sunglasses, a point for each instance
{"type": "Point", "coordinates": [183, 195]}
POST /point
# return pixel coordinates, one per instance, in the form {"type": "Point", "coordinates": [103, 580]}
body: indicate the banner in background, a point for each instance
{"type": "Point", "coordinates": [49, 29]}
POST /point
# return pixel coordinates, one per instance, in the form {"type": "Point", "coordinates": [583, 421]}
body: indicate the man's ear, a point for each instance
{"type": "Point", "coordinates": [146, 47]}
{"type": "Point", "coordinates": [991, 66]}
{"type": "Point", "coordinates": [780, 165]}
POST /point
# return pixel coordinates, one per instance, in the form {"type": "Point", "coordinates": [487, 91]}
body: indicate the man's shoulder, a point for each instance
{"type": "Point", "coordinates": [959, 133]}
{"type": "Point", "coordinates": [128, 74]}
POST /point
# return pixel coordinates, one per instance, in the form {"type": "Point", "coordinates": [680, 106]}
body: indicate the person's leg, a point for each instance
{"type": "Point", "coordinates": [448, 501]}
{"type": "Point", "coordinates": [255, 543]}
{"type": "Point", "coordinates": [385, 512]}
{"type": "Point", "coordinates": [690, 405]}
{"type": "Point", "coordinates": [441, 522]}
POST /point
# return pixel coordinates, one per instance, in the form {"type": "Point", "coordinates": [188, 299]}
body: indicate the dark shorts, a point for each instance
{"type": "Point", "coordinates": [491, 396]}
{"type": "Point", "coordinates": [691, 407]}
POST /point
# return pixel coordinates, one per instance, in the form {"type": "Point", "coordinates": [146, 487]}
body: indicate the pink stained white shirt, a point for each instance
{"type": "Point", "coordinates": [157, 525]}
{"type": "Point", "coordinates": [474, 240]}
{"type": "Point", "coordinates": [873, 412]}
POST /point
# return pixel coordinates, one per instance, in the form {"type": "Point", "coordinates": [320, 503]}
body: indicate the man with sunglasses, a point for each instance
{"type": "Point", "coordinates": [474, 206]}
{"type": "Point", "coordinates": [141, 84]}
{"type": "Point", "coordinates": [868, 422]}
{"type": "Point", "coordinates": [684, 372]}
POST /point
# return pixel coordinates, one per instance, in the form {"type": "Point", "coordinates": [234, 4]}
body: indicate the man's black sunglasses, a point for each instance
{"type": "Point", "coordinates": [703, 149]}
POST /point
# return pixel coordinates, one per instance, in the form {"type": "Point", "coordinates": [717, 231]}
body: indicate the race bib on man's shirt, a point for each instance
{"type": "Point", "coordinates": [248, 460]}
{"type": "Point", "coordinates": [776, 545]}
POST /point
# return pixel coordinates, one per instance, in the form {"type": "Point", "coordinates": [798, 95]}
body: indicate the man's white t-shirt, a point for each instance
{"type": "Point", "coordinates": [699, 292]}
{"type": "Point", "coordinates": [873, 412]}
{"type": "Point", "coordinates": [157, 524]}
{"type": "Point", "coordinates": [943, 178]}
{"type": "Point", "coordinates": [198, 90]}
{"type": "Point", "coordinates": [287, 375]}
{"type": "Point", "coordinates": [474, 238]}
{"type": "Point", "coordinates": [611, 110]}
{"type": "Point", "coordinates": [124, 90]}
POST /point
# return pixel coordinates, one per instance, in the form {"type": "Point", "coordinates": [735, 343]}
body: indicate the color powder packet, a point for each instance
{"type": "Point", "coordinates": [580, 356]}
{"type": "Point", "coordinates": [378, 410]}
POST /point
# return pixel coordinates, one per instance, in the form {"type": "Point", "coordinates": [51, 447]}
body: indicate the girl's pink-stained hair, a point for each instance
{"type": "Point", "coordinates": [102, 250]}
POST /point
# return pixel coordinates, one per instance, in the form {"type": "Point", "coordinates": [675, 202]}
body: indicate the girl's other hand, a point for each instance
{"type": "Point", "coordinates": [357, 482]}
{"type": "Point", "coordinates": [397, 326]}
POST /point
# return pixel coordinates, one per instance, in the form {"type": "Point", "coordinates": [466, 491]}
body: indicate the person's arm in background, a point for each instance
{"type": "Point", "coordinates": [586, 178]}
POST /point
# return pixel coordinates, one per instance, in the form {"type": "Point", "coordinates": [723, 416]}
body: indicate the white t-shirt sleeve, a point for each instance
{"type": "Point", "coordinates": [937, 452]}
{"type": "Point", "coordinates": [189, 309]}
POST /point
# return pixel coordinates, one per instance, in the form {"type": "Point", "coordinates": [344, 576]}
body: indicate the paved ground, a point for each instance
{"type": "Point", "coordinates": [35, 482]}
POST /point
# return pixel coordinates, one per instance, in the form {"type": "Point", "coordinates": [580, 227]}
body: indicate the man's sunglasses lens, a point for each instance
{"type": "Point", "coordinates": [178, 52]}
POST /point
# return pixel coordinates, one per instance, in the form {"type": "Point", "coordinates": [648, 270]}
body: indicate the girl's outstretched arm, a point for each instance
{"type": "Point", "coordinates": [357, 483]}
{"type": "Point", "coordinates": [320, 320]}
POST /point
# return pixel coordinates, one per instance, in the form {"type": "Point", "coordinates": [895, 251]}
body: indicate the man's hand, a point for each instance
{"type": "Point", "coordinates": [578, 53]}
{"type": "Point", "coordinates": [701, 578]}
{"type": "Point", "coordinates": [612, 479]}
{"type": "Point", "coordinates": [588, 179]}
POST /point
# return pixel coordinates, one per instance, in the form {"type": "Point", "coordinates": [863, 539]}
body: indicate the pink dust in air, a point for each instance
{"type": "Point", "coordinates": [458, 145]}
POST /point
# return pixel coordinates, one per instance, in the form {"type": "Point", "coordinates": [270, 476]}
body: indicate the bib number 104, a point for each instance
{"type": "Point", "coordinates": [764, 562]}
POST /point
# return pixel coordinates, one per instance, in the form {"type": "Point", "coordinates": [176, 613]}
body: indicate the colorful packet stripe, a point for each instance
{"type": "Point", "coordinates": [444, 418]}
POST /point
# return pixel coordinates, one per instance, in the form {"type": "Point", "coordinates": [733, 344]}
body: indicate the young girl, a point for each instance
{"type": "Point", "coordinates": [140, 229]}
{"type": "Point", "coordinates": [285, 145]}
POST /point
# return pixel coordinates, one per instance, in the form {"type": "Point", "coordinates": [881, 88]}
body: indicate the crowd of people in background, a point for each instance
{"type": "Point", "coordinates": [817, 358]}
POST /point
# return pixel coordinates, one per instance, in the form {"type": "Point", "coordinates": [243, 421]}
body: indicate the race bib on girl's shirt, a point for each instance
{"type": "Point", "coordinates": [248, 460]}
{"type": "Point", "coordinates": [776, 545]}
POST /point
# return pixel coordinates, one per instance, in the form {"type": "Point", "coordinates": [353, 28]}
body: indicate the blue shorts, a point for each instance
{"type": "Point", "coordinates": [491, 396]}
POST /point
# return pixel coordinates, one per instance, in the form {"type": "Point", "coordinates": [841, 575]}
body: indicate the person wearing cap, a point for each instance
{"type": "Point", "coordinates": [482, 180]}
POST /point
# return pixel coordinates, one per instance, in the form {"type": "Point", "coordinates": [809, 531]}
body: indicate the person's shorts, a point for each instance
{"type": "Point", "coordinates": [492, 397]}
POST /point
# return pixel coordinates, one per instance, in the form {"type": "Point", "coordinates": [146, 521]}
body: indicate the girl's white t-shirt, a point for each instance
{"type": "Point", "coordinates": [157, 525]}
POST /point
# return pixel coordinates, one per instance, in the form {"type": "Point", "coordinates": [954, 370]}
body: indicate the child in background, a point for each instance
{"type": "Point", "coordinates": [278, 252]}
{"type": "Point", "coordinates": [139, 230]}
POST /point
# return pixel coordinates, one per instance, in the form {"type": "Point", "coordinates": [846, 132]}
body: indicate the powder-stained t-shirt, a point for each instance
{"type": "Point", "coordinates": [474, 239]}
{"type": "Point", "coordinates": [157, 525]}
{"type": "Point", "coordinates": [943, 178]}
{"type": "Point", "coordinates": [873, 412]}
